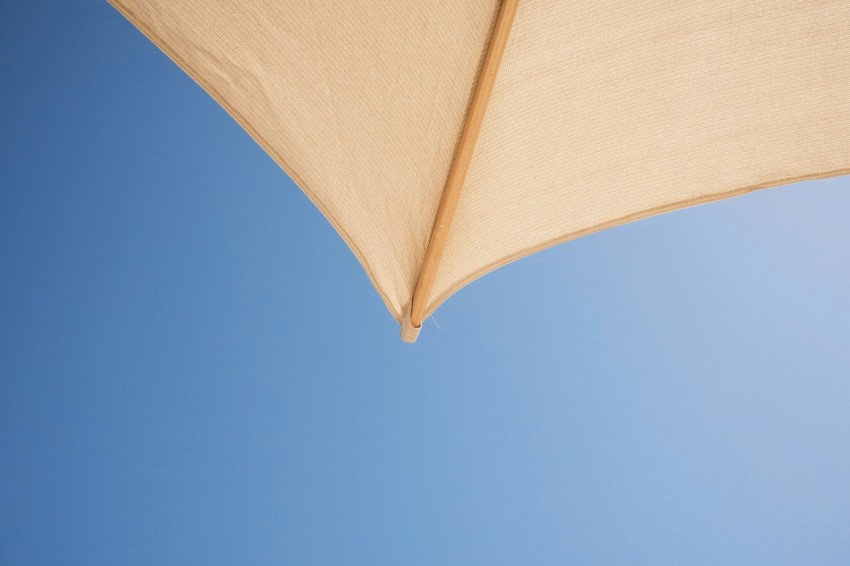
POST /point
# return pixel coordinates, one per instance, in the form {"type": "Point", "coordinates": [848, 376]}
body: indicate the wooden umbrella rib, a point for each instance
{"type": "Point", "coordinates": [460, 164]}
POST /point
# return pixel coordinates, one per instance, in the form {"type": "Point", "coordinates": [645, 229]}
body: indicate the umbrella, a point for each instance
{"type": "Point", "coordinates": [445, 138]}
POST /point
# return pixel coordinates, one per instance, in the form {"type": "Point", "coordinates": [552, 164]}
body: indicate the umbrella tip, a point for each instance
{"type": "Point", "coordinates": [409, 333]}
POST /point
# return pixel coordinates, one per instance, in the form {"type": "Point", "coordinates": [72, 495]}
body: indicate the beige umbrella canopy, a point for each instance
{"type": "Point", "coordinates": [597, 113]}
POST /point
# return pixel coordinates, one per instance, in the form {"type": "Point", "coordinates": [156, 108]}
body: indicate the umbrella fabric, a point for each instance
{"type": "Point", "coordinates": [602, 112]}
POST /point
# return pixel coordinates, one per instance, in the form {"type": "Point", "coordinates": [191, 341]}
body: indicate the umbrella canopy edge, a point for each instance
{"type": "Point", "coordinates": [187, 68]}
{"type": "Point", "coordinates": [655, 211]}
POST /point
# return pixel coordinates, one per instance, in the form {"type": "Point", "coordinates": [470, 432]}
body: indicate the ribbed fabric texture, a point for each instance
{"type": "Point", "coordinates": [603, 112]}
{"type": "Point", "coordinates": [361, 102]}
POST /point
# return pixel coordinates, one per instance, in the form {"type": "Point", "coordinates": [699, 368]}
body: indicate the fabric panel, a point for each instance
{"type": "Point", "coordinates": [607, 111]}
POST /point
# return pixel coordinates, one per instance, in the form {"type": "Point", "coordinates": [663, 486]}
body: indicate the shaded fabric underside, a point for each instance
{"type": "Point", "coordinates": [603, 112]}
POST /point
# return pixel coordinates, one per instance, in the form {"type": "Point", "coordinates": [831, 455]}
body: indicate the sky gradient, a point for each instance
{"type": "Point", "coordinates": [194, 369]}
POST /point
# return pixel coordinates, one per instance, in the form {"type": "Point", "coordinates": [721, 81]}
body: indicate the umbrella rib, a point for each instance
{"type": "Point", "coordinates": [460, 163]}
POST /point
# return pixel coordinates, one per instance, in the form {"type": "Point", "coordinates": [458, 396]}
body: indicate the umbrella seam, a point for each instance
{"type": "Point", "coordinates": [441, 228]}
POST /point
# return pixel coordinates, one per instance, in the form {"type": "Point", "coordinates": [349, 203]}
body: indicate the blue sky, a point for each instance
{"type": "Point", "coordinates": [194, 369]}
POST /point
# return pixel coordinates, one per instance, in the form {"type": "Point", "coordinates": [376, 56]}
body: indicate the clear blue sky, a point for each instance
{"type": "Point", "coordinates": [195, 370]}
